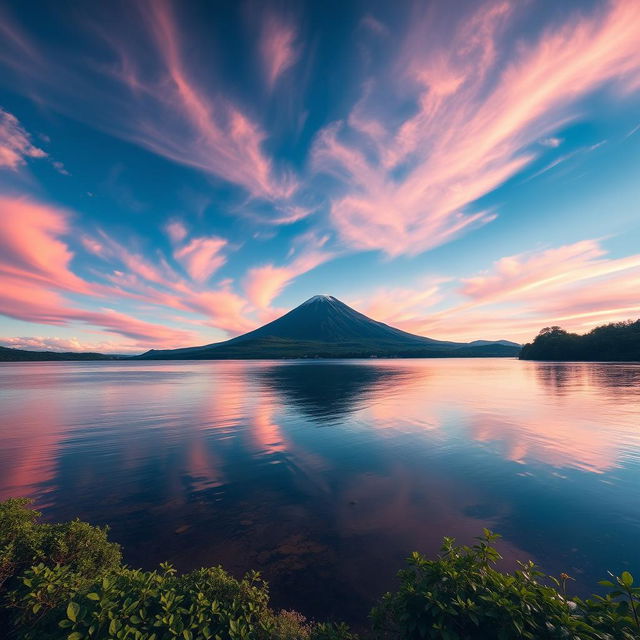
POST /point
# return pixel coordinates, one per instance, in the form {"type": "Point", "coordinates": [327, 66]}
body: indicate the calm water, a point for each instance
{"type": "Point", "coordinates": [324, 475]}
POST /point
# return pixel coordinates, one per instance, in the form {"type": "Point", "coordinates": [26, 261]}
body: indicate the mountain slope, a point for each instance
{"type": "Point", "coordinates": [327, 319]}
{"type": "Point", "coordinates": [323, 326]}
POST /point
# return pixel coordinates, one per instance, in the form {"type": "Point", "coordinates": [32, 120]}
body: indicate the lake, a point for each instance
{"type": "Point", "coordinates": [324, 474]}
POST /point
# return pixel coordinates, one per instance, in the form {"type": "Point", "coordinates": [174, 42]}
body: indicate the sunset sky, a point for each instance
{"type": "Point", "coordinates": [176, 174]}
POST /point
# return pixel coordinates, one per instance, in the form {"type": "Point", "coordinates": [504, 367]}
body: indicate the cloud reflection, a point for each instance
{"type": "Point", "coordinates": [222, 462]}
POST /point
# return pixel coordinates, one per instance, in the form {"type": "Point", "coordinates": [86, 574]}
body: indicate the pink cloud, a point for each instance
{"type": "Point", "coordinates": [576, 286]}
{"type": "Point", "coordinates": [264, 283]}
{"type": "Point", "coordinates": [15, 143]}
{"type": "Point", "coordinates": [277, 48]}
{"type": "Point", "coordinates": [177, 231]}
{"type": "Point", "coordinates": [523, 272]}
{"type": "Point", "coordinates": [137, 266]}
{"type": "Point", "coordinates": [130, 327]}
{"type": "Point", "coordinates": [53, 343]}
{"type": "Point", "coordinates": [170, 112]}
{"type": "Point", "coordinates": [186, 122]}
{"type": "Point", "coordinates": [30, 245]}
{"type": "Point", "coordinates": [407, 187]}
{"type": "Point", "coordinates": [225, 309]}
{"type": "Point", "coordinates": [157, 283]}
{"type": "Point", "coordinates": [28, 301]}
{"type": "Point", "coordinates": [201, 257]}
{"type": "Point", "coordinates": [35, 273]}
{"type": "Point", "coordinates": [401, 307]}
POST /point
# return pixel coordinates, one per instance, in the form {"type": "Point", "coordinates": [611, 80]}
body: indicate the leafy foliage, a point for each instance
{"type": "Point", "coordinates": [66, 582]}
{"type": "Point", "coordinates": [619, 341]}
{"type": "Point", "coordinates": [24, 541]}
{"type": "Point", "coordinates": [460, 596]}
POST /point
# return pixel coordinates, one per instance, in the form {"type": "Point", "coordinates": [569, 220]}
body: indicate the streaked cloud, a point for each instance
{"type": "Point", "coordinates": [576, 286]}
{"type": "Point", "coordinates": [302, 151]}
{"type": "Point", "coordinates": [278, 49]}
{"type": "Point", "coordinates": [173, 111]}
{"type": "Point", "coordinates": [186, 121]}
{"type": "Point", "coordinates": [264, 283]}
{"type": "Point", "coordinates": [35, 274]}
{"type": "Point", "coordinates": [201, 257]}
{"type": "Point", "coordinates": [36, 278]}
{"type": "Point", "coordinates": [15, 143]}
{"type": "Point", "coordinates": [408, 184]}
{"type": "Point", "coordinates": [48, 343]}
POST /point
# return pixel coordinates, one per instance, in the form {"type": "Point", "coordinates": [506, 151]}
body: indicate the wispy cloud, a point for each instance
{"type": "Point", "coordinates": [278, 48]}
{"type": "Point", "coordinates": [202, 257]}
{"type": "Point", "coordinates": [52, 343]}
{"type": "Point", "coordinates": [35, 274]}
{"type": "Point", "coordinates": [15, 143]}
{"type": "Point", "coordinates": [169, 110]}
{"type": "Point", "coordinates": [184, 120]}
{"type": "Point", "coordinates": [575, 285]}
{"type": "Point", "coordinates": [36, 277]}
{"type": "Point", "coordinates": [408, 187]}
{"type": "Point", "coordinates": [551, 142]}
{"type": "Point", "coordinates": [264, 283]}
{"type": "Point", "coordinates": [563, 158]}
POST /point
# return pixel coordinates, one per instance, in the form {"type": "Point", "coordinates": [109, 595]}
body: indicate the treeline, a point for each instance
{"type": "Point", "coordinates": [67, 582]}
{"type": "Point", "coordinates": [8, 354]}
{"type": "Point", "coordinates": [618, 341]}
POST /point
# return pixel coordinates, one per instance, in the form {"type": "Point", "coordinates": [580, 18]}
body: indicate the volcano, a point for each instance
{"type": "Point", "coordinates": [325, 327]}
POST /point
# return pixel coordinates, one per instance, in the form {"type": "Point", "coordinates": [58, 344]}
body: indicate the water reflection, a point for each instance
{"type": "Point", "coordinates": [330, 391]}
{"type": "Point", "coordinates": [206, 463]}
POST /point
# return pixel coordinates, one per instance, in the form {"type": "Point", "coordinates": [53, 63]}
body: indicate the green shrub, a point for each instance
{"type": "Point", "coordinates": [20, 538]}
{"type": "Point", "coordinates": [66, 582]}
{"type": "Point", "coordinates": [154, 605]}
{"type": "Point", "coordinates": [460, 596]}
{"type": "Point", "coordinates": [24, 541]}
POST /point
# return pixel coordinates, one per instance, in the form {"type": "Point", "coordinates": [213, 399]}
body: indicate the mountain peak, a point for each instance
{"type": "Point", "coordinates": [322, 297]}
{"type": "Point", "coordinates": [325, 325]}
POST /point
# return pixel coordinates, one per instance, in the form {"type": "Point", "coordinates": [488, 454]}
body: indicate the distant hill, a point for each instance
{"type": "Point", "coordinates": [618, 342]}
{"type": "Point", "coordinates": [325, 327]}
{"type": "Point", "coordinates": [22, 355]}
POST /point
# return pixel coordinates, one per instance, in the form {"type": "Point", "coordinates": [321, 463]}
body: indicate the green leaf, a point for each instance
{"type": "Point", "coordinates": [73, 609]}
{"type": "Point", "coordinates": [93, 596]}
{"type": "Point", "coordinates": [626, 579]}
{"type": "Point", "coordinates": [606, 583]}
{"type": "Point", "coordinates": [76, 635]}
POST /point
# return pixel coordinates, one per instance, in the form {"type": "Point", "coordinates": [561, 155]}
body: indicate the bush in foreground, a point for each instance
{"type": "Point", "coordinates": [66, 581]}
{"type": "Point", "coordinates": [460, 596]}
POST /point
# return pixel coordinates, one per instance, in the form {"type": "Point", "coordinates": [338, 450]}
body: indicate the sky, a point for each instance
{"type": "Point", "coordinates": [174, 174]}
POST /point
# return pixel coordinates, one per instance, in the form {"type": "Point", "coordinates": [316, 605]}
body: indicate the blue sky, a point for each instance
{"type": "Point", "coordinates": [174, 174]}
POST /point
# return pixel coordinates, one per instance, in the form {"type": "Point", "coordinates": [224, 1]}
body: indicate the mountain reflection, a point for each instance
{"type": "Point", "coordinates": [327, 392]}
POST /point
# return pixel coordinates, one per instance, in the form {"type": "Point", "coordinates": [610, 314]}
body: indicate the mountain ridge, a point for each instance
{"type": "Point", "coordinates": [326, 327]}
{"type": "Point", "coordinates": [9, 354]}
